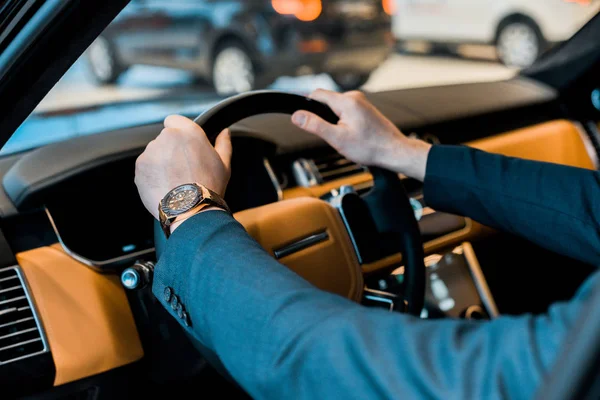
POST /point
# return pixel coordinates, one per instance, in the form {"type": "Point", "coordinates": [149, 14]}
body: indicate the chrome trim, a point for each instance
{"type": "Point", "coordinates": [11, 300]}
{"type": "Point", "coordinates": [35, 314]}
{"type": "Point", "coordinates": [18, 344]}
{"type": "Point", "coordinates": [336, 202]}
{"type": "Point", "coordinates": [378, 295]}
{"type": "Point", "coordinates": [7, 311]}
{"type": "Point", "coordinates": [10, 289]}
{"type": "Point", "coordinates": [17, 333]}
{"type": "Point", "coordinates": [306, 172]}
{"type": "Point", "coordinates": [381, 300]}
{"type": "Point", "coordinates": [273, 178]}
{"type": "Point", "coordinates": [480, 283]}
{"type": "Point", "coordinates": [587, 141]}
{"type": "Point", "coordinates": [97, 265]}
{"type": "Point", "coordinates": [16, 322]}
{"type": "Point", "coordinates": [8, 279]}
{"type": "Point", "coordinates": [301, 244]}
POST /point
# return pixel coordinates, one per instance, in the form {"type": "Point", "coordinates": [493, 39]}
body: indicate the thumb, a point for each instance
{"type": "Point", "coordinates": [314, 124]}
{"type": "Point", "coordinates": [223, 147]}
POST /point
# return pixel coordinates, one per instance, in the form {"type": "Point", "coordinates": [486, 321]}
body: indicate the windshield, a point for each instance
{"type": "Point", "coordinates": [181, 56]}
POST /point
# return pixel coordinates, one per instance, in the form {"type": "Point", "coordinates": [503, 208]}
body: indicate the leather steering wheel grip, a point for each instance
{"type": "Point", "coordinates": [387, 201]}
{"type": "Point", "coordinates": [236, 108]}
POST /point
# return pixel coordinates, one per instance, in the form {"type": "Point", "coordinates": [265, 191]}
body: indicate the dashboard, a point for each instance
{"type": "Point", "coordinates": [81, 193]}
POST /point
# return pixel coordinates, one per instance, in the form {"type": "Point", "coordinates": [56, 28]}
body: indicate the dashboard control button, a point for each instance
{"type": "Point", "coordinates": [167, 294]}
{"type": "Point", "coordinates": [130, 278]}
{"type": "Point", "coordinates": [138, 276]}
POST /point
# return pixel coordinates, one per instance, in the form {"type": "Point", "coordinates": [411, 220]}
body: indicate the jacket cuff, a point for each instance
{"type": "Point", "coordinates": [445, 164]}
{"type": "Point", "coordinates": [171, 273]}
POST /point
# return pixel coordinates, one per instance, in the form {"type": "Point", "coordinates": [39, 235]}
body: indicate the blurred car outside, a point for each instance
{"type": "Point", "coordinates": [520, 30]}
{"type": "Point", "coordinates": [242, 45]}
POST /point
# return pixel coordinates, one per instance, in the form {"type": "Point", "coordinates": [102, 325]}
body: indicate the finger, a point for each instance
{"type": "Point", "coordinates": [336, 101]}
{"type": "Point", "coordinates": [184, 124]}
{"type": "Point", "coordinates": [166, 132]}
{"type": "Point", "coordinates": [224, 148]}
{"type": "Point", "coordinates": [316, 125]}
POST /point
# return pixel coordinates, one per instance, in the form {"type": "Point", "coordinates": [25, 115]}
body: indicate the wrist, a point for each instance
{"type": "Point", "coordinates": [409, 157]}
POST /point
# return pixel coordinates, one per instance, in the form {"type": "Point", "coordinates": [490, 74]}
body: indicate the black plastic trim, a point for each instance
{"type": "Point", "coordinates": [301, 244]}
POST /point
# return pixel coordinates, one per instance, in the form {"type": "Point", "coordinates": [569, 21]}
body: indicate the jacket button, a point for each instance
{"type": "Point", "coordinates": [186, 318]}
{"type": "Point", "coordinates": [174, 302]}
{"type": "Point", "coordinates": [167, 294]}
{"type": "Point", "coordinates": [179, 311]}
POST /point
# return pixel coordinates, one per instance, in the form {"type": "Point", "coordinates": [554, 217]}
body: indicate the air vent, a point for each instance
{"type": "Point", "coordinates": [20, 332]}
{"type": "Point", "coordinates": [327, 168]}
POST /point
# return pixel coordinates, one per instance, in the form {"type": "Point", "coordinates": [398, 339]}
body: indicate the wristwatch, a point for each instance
{"type": "Point", "coordinates": [186, 201]}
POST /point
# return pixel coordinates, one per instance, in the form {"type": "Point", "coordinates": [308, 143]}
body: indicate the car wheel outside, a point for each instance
{"type": "Point", "coordinates": [519, 44]}
{"type": "Point", "coordinates": [350, 80]}
{"type": "Point", "coordinates": [103, 62]}
{"type": "Point", "coordinates": [233, 71]}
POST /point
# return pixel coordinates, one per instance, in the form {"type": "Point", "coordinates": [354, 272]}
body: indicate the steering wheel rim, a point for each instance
{"type": "Point", "coordinates": [388, 201]}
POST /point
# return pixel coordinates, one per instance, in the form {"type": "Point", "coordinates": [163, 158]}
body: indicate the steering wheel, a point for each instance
{"type": "Point", "coordinates": [387, 202]}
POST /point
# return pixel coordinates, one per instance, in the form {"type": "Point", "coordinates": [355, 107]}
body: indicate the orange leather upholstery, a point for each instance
{"type": "Point", "coordinates": [557, 142]}
{"type": "Point", "coordinates": [330, 265]}
{"type": "Point", "coordinates": [86, 315]}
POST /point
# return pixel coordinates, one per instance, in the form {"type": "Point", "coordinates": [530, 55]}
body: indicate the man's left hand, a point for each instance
{"type": "Point", "coordinates": [182, 154]}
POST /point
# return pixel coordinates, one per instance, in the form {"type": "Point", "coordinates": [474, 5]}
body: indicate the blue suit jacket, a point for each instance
{"type": "Point", "coordinates": [281, 338]}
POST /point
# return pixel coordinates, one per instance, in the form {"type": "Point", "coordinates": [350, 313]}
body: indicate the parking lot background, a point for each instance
{"type": "Point", "coordinates": [406, 68]}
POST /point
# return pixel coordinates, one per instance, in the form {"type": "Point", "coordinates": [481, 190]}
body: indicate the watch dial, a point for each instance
{"type": "Point", "coordinates": [181, 199]}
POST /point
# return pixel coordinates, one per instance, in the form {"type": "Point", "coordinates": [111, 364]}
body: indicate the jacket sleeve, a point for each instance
{"type": "Point", "coordinates": [555, 206]}
{"type": "Point", "coordinates": [280, 337]}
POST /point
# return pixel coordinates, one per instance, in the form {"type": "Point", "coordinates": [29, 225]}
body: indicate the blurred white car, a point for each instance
{"type": "Point", "coordinates": [520, 29]}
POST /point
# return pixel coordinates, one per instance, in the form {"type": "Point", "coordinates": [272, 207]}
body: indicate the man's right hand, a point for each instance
{"type": "Point", "coordinates": [364, 135]}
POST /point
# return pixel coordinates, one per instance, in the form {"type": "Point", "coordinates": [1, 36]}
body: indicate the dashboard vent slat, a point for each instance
{"type": "Point", "coordinates": [21, 335]}
{"type": "Point", "coordinates": [322, 169]}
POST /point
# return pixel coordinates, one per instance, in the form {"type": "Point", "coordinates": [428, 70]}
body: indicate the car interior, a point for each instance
{"type": "Point", "coordinates": [71, 221]}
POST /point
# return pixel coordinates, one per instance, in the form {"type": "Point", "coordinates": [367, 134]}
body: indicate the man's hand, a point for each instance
{"type": "Point", "coordinates": [364, 135]}
{"type": "Point", "coordinates": [181, 154]}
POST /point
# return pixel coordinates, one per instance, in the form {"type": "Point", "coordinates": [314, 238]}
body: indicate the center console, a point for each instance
{"type": "Point", "coordinates": [455, 284]}
{"type": "Point", "coordinates": [455, 287]}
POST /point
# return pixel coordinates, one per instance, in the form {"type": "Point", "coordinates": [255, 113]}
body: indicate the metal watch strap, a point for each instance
{"type": "Point", "coordinates": [216, 200]}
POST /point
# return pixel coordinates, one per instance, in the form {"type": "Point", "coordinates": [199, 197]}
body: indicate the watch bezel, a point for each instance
{"type": "Point", "coordinates": [169, 212]}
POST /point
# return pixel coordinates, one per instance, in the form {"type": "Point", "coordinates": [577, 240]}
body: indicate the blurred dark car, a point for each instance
{"type": "Point", "coordinates": [246, 44]}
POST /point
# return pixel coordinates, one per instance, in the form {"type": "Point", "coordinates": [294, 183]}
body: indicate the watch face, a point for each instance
{"type": "Point", "coordinates": [181, 199]}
